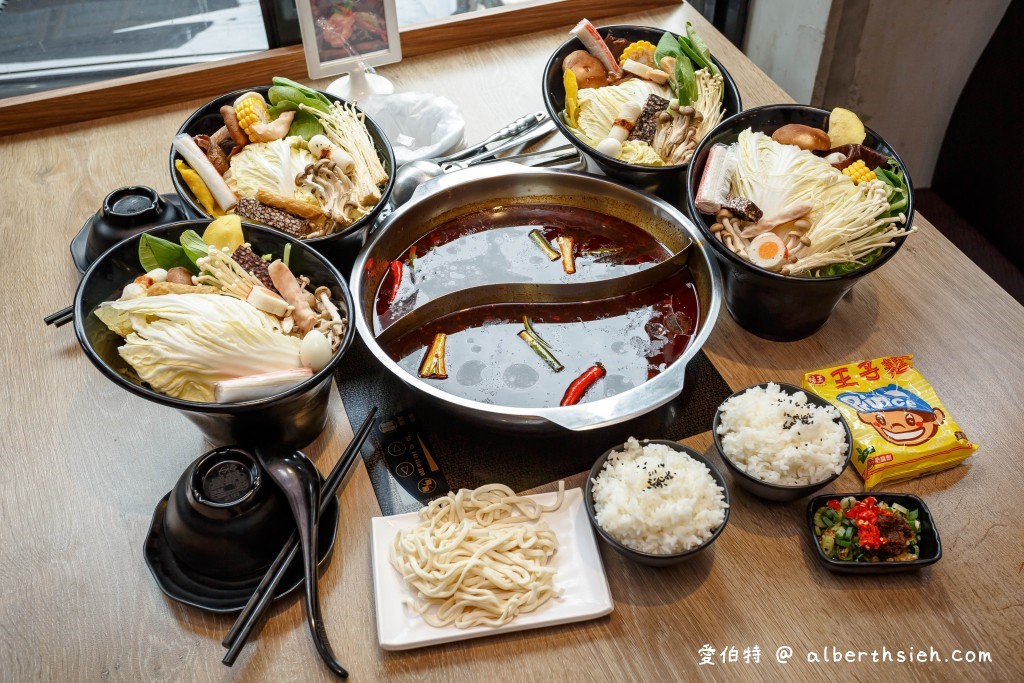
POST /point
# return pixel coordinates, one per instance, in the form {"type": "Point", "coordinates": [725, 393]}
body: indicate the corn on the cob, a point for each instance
{"type": "Point", "coordinates": [859, 172]}
{"type": "Point", "coordinates": [641, 51]}
{"type": "Point", "coordinates": [250, 109]}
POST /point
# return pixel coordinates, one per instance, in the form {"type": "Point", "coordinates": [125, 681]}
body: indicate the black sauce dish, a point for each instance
{"type": "Point", "coordinates": [929, 545]}
{"type": "Point", "coordinates": [651, 559]}
{"type": "Point", "coordinates": [294, 417]}
{"type": "Point", "coordinates": [217, 531]}
{"type": "Point", "coordinates": [771, 305]}
{"type": "Point", "coordinates": [668, 182]}
{"type": "Point", "coordinates": [340, 246]}
{"type": "Point", "coordinates": [778, 493]}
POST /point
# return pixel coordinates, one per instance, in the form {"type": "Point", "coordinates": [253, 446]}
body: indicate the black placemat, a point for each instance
{"type": "Point", "coordinates": [417, 451]}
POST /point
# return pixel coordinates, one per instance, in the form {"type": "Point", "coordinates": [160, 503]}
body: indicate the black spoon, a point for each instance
{"type": "Point", "coordinates": [300, 482]}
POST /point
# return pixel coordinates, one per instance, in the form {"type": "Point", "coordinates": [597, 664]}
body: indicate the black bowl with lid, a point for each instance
{"type": "Point", "coordinates": [125, 212]}
{"type": "Point", "coordinates": [224, 517]}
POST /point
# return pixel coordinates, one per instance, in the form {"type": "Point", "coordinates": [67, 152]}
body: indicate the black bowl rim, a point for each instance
{"type": "Point", "coordinates": [588, 500]}
{"type": "Point", "coordinates": [728, 82]}
{"type": "Point", "coordinates": [789, 388]}
{"type": "Point", "coordinates": [873, 567]}
{"type": "Point", "coordinates": [186, 195]}
{"type": "Point", "coordinates": [697, 217]}
{"type": "Point", "coordinates": [228, 408]}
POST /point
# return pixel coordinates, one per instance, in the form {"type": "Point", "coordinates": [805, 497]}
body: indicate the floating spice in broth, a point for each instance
{"type": "Point", "coordinates": [504, 244]}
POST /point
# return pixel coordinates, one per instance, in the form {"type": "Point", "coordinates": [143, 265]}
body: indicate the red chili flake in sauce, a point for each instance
{"type": "Point", "coordinates": [865, 514]}
{"type": "Point", "coordinates": [834, 504]}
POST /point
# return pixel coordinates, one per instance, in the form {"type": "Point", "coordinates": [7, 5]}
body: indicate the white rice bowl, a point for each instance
{"type": "Point", "coordinates": [782, 438]}
{"type": "Point", "coordinates": [657, 500]}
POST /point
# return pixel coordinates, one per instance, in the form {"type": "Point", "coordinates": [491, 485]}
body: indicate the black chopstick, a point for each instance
{"type": "Point", "coordinates": [61, 317]}
{"type": "Point", "coordinates": [261, 598]}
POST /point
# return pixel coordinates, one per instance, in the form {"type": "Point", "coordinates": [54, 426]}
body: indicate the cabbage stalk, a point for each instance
{"type": "Point", "coordinates": [183, 344]}
{"type": "Point", "coordinates": [271, 166]}
{"type": "Point", "coordinates": [599, 107]}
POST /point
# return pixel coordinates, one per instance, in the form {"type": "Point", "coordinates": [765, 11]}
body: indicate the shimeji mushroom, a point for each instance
{"type": "Point", "coordinates": [332, 188]}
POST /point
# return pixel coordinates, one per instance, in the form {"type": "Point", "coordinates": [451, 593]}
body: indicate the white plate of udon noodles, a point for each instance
{"type": "Point", "coordinates": [580, 588]}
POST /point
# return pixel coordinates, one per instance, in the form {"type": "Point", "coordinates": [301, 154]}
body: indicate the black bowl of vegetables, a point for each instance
{"type": "Point", "coordinates": [236, 344]}
{"type": "Point", "coordinates": [826, 216]}
{"type": "Point", "coordinates": [873, 533]}
{"type": "Point", "coordinates": [668, 179]}
{"type": "Point", "coordinates": [354, 190]}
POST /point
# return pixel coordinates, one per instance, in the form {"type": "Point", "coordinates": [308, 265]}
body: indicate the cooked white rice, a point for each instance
{"type": "Point", "coordinates": [782, 438]}
{"type": "Point", "coordinates": [657, 500]}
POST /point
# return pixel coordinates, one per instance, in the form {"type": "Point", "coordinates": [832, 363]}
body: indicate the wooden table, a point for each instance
{"type": "Point", "coordinates": [87, 462]}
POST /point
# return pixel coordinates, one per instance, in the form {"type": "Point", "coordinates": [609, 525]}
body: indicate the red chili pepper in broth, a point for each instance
{"type": "Point", "coordinates": [580, 385]}
{"type": "Point", "coordinates": [396, 279]}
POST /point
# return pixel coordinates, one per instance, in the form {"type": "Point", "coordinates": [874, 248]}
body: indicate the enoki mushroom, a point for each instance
{"type": "Point", "coordinates": [472, 561]}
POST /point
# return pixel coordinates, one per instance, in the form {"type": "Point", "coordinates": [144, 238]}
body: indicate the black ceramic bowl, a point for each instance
{"type": "Point", "coordinates": [771, 305]}
{"type": "Point", "coordinates": [651, 559]}
{"type": "Point", "coordinates": [207, 119]}
{"type": "Point", "coordinates": [294, 417]}
{"type": "Point", "coordinates": [779, 493]}
{"type": "Point", "coordinates": [225, 518]}
{"type": "Point", "coordinates": [669, 182]}
{"type": "Point", "coordinates": [928, 536]}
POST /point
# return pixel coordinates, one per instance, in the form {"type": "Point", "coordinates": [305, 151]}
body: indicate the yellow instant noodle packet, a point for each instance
{"type": "Point", "coordinates": [900, 428]}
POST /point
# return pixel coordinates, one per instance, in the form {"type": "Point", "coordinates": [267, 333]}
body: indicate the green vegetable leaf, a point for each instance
{"type": "Point", "coordinates": [160, 253]}
{"type": "Point", "coordinates": [704, 51]}
{"type": "Point", "coordinates": [698, 43]}
{"type": "Point", "coordinates": [193, 246]}
{"type": "Point", "coordinates": [281, 107]}
{"type": "Point", "coordinates": [309, 92]}
{"type": "Point", "coordinates": [687, 82]}
{"type": "Point", "coordinates": [691, 52]}
{"type": "Point", "coordinates": [286, 93]}
{"type": "Point", "coordinates": [305, 125]}
{"type": "Point", "coordinates": [848, 266]}
{"type": "Point", "coordinates": [667, 47]}
{"type": "Point", "coordinates": [899, 193]}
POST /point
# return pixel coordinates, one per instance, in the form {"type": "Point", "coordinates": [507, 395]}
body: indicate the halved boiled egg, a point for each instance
{"type": "Point", "coordinates": [768, 251]}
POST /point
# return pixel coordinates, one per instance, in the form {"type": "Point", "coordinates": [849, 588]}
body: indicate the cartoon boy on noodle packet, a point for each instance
{"type": "Point", "coordinates": [899, 416]}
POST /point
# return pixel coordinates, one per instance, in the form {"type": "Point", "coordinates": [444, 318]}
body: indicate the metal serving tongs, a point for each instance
{"type": "Point", "coordinates": [514, 129]}
{"type": "Point", "coordinates": [532, 293]}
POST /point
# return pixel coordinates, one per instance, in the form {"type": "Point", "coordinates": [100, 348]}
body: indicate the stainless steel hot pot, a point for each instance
{"type": "Point", "coordinates": [488, 185]}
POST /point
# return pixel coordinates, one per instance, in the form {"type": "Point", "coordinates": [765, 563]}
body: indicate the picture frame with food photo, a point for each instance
{"type": "Point", "coordinates": [349, 37]}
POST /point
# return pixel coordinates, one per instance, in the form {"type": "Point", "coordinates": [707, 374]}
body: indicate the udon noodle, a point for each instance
{"type": "Point", "coordinates": [473, 561]}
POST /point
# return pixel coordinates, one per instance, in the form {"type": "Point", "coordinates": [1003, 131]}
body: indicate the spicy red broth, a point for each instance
{"type": "Point", "coordinates": [493, 246]}
{"type": "Point", "coordinates": [634, 337]}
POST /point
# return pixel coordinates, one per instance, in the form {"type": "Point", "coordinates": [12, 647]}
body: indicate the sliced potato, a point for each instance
{"type": "Point", "coordinates": [225, 233]}
{"type": "Point", "coordinates": [845, 128]}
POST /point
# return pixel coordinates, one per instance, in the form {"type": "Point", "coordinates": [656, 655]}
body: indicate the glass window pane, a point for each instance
{"type": "Point", "coordinates": [47, 44]}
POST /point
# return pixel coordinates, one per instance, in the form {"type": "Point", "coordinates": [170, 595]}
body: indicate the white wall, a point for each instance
{"type": "Point", "coordinates": [905, 73]}
{"type": "Point", "coordinates": [784, 38]}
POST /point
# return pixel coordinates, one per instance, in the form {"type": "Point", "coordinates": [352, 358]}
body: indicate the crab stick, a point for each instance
{"type": "Point", "coordinates": [596, 46]}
